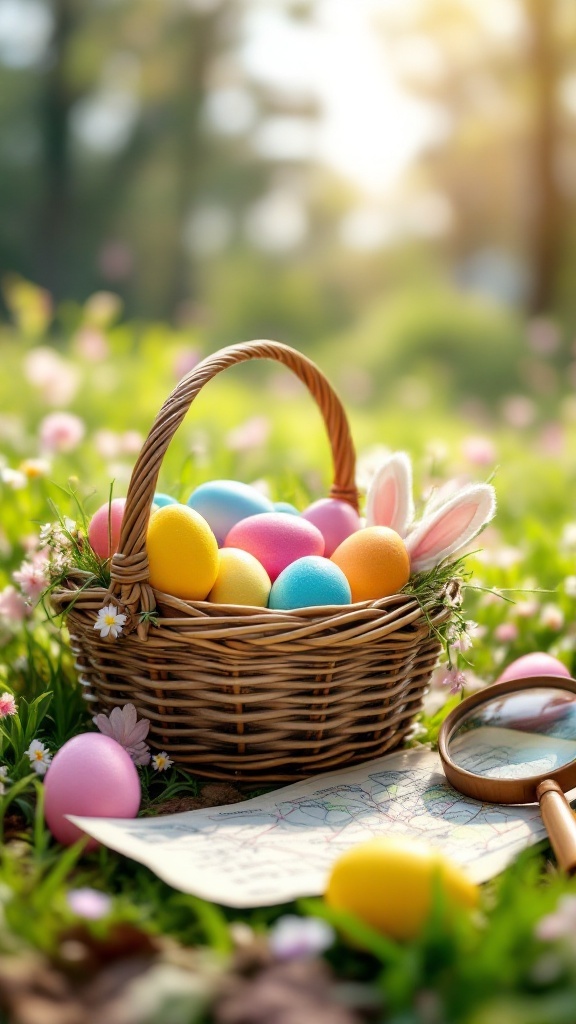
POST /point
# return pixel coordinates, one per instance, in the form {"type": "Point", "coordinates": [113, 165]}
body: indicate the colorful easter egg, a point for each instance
{"type": "Point", "coordinates": [223, 503]}
{"type": "Point", "coordinates": [105, 526]}
{"type": "Point", "coordinates": [241, 579]}
{"type": "Point", "coordinates": [335, 519]}
{"type": "Point", "coordinates": [534, 664]}
{"type": "Point", "coordinates": [390, 884]}
{"type": "Point", "coordinates": [276, 539]}
{"type": "Point", "coordinates": [286, 506]}
{"type": "Point", "coordinates": [182, 553]}
{"type": "Point", "coordinates": [93, 776]}
{"type": "Point", "coordinates": [160, 499]}
{"type": "Point", "coordinates": [375, 562]}
{"type": "Point", "coordinates": [308, 582]}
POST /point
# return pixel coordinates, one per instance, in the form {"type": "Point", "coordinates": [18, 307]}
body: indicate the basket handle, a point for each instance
{"type": "Point", "coordinates": [129, 570]}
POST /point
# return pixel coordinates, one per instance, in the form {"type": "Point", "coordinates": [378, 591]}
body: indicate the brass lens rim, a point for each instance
{"type": "Point", "coordinates": [502, 791]}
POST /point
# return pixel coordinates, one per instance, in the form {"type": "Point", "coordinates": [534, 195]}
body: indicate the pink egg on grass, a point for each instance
{"type": "Point", "coordinates": [335, 519]}
{"type": "Point", "coordinates": [276, 539]}
{"type": "Point", "coordinates": [105, 526]}
{"type": "Point", "coordinates": [94, 777]}
{"type": "Point", "coordinates": [535, 664]}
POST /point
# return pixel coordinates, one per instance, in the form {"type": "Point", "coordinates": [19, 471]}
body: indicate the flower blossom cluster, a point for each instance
{"type": "Point", "coordinates": [560, 924]}
{"type": "Point", "coordinates": [7, 705]}
{"type": "Point", "coordinates": [124, 726]}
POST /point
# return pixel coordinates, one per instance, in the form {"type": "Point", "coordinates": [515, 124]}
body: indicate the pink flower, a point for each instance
{"type": "Point", "coordinates": [54, 377]}
{"type": "Point", "coordinates": [480, 451]}
{"type": "Point", "coordinates": [31, 580]}
{"type": "Point", "coordinates": [552, 617]}
{"type": "Point", "coordinates": [519, 411]}
{"type": "Point", "coordinates": [131, 442]}
{"type": "Point", "coordinates": [293, 937]}
{"type": "Point", "coordinates": [560, 924]}
{"type": "Point", "coordinates": [89, 903]}
{"type": "Point", "coordinates": [506, 632]}
{"type": "Point", "coordinates": [13, 607]}
{"type": "Point", "coordinates": [123, 726]}
{"type": "Point", "coordinates": [61, 432]}
{"type": "Point", "coordinates": [464, 640]}
{"type": "Point", "coordinates": [7, 705]}
{"type": "Point", "coordinates": [455, 679]}
{"type": "Point", "coordinates": [186, 359]}
{"type": "Point", "coordinates": [91, 344]}
{"type": "Point", "coordinates": [251, 434]}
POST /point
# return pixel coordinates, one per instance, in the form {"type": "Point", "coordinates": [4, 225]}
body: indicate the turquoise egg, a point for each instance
{"type": "Point", "coordinates": [161, 499]}
{"type": "Point", "coordinates": [223, 503]}
{"type": "Point", "coordinates": [285, 506]}
{"type": "Point", "coordinates": [308, 582]}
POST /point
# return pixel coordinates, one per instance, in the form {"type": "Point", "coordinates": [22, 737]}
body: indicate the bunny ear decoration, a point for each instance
{"type": "Point", "coordinates": [451, 526]}
{"type": "Point", "coordinates": [389, 500]}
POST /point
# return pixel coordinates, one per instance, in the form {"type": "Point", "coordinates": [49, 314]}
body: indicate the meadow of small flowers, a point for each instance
{"type": "Point", "coordinates": [79, 390]}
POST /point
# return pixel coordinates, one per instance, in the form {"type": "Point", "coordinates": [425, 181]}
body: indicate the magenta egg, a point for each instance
{"type": "Point", "coordinates": [105, 526]}
{"type": "Point", "coordinates": [535, 664]}
{"type": "Point", "coordinates": [92, 776]}
{"type": "Point", "coordinates": [335, 519]}
{"type": "Point", "coordinates": [276, 539]}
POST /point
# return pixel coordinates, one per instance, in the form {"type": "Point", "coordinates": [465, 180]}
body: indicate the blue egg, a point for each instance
{"type": "Point", "coordinates": [161, 499]}
{"type": "Point", "coordinates": [285, 506]}
{"type": "Point", "coordinates": [308, 582]}
{"type": "Point", "coordinates": [223, 503]}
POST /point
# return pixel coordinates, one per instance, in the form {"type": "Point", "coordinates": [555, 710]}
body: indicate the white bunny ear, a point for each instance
{"type": "Point", "coordinates": [389, 500]}
{"type": "Point", "coordinates": [451, 526]}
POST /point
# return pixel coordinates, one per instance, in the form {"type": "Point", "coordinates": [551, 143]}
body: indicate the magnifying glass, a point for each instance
{"type": "Point", "coordinates": [515, 743]}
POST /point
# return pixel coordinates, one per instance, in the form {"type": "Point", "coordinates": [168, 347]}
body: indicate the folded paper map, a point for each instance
{"type": "Point", "coordinates": [274, 848]}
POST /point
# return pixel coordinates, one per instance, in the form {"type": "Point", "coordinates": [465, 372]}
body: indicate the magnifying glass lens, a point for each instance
{"type": "Point", "coordinates": [514, 743]}
{"type": "Point", "coordinates": [518, 735]}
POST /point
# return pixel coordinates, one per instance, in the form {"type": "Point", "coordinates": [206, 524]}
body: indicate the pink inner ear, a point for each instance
{"type": "Point", "coordinates": [385, 504]}
{"type": "Point", "coordinates": [450, 526]}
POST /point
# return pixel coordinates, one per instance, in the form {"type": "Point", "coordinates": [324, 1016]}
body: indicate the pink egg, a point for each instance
{"type": "Point", "coordinates": [335, 519]}
{"type": "Point", "coordinates": [276, 539]}
{"type": "Point", "coordinates": [536, 664]}
{"type": "Point", "coordinates": [105, 526]}
{"type": "Point", "coordinates": [93, 776]}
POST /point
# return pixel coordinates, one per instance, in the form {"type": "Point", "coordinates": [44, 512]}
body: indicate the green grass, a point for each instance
{"type": "Point", "coordinates": [518, 588]}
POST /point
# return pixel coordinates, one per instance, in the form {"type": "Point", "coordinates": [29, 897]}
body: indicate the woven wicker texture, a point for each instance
{"type": "Point", "coordinates": [258, 695]}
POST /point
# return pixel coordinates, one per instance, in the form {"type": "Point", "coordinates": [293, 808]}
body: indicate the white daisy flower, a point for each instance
{"type": "Point", "coordinates": [110, 621]}
{"type": "Point", "coordinates": [40, 757]}
{"type": "Point", "coordinates": [161, 762]}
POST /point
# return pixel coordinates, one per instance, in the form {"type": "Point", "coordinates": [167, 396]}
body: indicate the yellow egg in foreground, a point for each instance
{"type": "Point", "coordinates": [241, 579]}
{"type": "Point", "coordinates": [389, 884]}
{"type": "Point", "coordinates": [182, 553]}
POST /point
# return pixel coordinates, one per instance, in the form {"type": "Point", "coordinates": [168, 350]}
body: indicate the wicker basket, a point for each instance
{"type": "Point", "coordinates": [235, 692]}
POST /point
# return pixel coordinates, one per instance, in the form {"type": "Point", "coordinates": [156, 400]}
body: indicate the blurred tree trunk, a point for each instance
{"type": "Point", "coordinates": [199, 47]}
{"type": "Point", "coordinates": [548, 205]}
{"type": "Point", "coordinates": [54, 214]}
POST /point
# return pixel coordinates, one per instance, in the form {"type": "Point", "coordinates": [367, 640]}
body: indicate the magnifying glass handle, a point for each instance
{"type": "Point", "coordinates": [560, 823]}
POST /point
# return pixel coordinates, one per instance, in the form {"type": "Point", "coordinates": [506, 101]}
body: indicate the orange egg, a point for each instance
{"type": "Point", "coordinates": [375, 562]}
